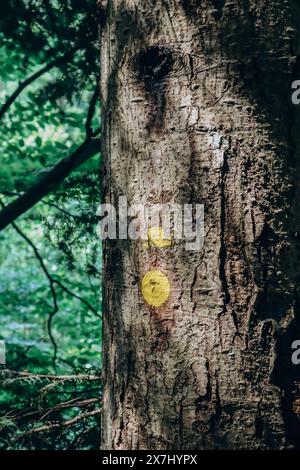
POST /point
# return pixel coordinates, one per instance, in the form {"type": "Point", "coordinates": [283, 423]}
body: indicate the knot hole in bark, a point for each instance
{"type": "Point", "coordinates": [153, 66]}
{"type": "Point", "coordinates": [154, 63]}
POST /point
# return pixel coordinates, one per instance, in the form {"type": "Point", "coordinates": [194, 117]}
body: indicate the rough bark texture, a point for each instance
{"type": "Point", "coordinates": [197, 108]}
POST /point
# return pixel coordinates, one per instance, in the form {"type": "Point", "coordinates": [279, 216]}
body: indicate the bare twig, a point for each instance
{"type": "Point", "coordinates": [61, 209]}
{"type": "Point", "coordinates": [41, 414]}
{"type": "Point", "coordinates": [59, 425]}
{"type": "Point", "coordinates": [52, 283]}
{"type": "Point", "coordinates": [46, 203]}
{"type": "Point", "coordinates": [50, 376]}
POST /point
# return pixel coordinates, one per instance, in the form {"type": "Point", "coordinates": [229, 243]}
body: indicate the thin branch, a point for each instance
{"type": "Point", "coordinates": [62, 378]}
{"type": "Point", "coordinates": [41, 414]}
{"type": "Point", "coordinates": [61, 209]}
{"type": "Point", "coordinates": [32, 78]}
{"type": "Point", "coordinates": [50, 319]}
{"type": "Point", "coordinates": [49, 182]}
{"type": "Point", "coordinates": [52, 283]}
{"type": "Point", "coordinates": [51, 280]}
{"type": "Point", "coordinates": [78, 297]}
{"type": "Point", "coordinates": [59, 425]}
{"type": "Point", "coordinates": [46, 203]}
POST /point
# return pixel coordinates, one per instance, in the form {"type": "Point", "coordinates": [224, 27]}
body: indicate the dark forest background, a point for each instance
{"type": "Point", "coordinates": [50, 302]}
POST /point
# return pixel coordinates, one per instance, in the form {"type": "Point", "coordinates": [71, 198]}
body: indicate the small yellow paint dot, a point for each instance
{"type": "Point", "coordinates": [155, 288]}
{"type": "Point", "coordinates": [156, 237]}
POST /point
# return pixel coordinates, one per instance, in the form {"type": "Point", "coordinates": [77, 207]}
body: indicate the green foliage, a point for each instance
{"type": "Point", "coordinates": [44, 124]}
{"type": "Point", "coordinates": [53, 412]}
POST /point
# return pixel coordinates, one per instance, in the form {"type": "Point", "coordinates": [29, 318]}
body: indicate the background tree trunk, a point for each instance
{"type": "Point", "coordinates": [197, 109]}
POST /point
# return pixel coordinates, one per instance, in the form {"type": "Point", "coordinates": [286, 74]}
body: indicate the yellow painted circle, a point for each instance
{"type": "Point", "coordinates": [155, 288]}
{"type": "Point", "coordinates": [156, 237]}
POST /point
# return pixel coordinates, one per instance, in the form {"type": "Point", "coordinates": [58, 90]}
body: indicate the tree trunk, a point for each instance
{"type": "Point", "coordinates": [196, 100]}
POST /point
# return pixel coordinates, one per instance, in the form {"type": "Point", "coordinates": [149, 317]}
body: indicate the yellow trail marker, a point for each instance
{"type": "Point", "coordinates": [156, 237]}
{"type": "Point", "coordinates": [155, 288]}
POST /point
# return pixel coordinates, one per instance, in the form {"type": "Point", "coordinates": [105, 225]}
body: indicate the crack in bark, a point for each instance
{"type": "Point", "coordinates": [223, 251]}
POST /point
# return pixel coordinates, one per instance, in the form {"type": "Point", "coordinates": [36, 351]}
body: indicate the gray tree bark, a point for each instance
{"type": "Point", "coordinates": [196, 109]}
